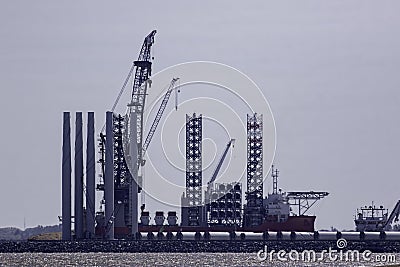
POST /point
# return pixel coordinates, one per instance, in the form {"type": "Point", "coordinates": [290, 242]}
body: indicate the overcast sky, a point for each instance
{"type": "Point", "coordinates": [329, 69]}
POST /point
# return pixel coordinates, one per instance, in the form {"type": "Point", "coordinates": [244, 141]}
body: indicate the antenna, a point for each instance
{"type": "Point", "coordinates": [274, 173]}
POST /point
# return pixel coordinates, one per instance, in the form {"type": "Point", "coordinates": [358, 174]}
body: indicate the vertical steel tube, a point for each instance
{"type": "Point", "coordinates": [134, 172]}
{"type": "Point", "coordinates": [109, 177]}
{"type": "Point", "coordinates": [90, 177]}
{"type": "Point", "coordinates": [66, 178]}
{"type": "Point", "coordinates": [78, 176]}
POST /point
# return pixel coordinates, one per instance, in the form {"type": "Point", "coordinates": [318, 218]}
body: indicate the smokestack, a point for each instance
{"type": "Point", "coordinates": [66, 178]}
{"type": "Point", "coordinates": [78, 177]}
{"type": "Point", "coordinates": [133, 190]}
{"type": "Point", "coordinates": [90, 177]}
{"type": "Point", "coordinates": [109, 177]}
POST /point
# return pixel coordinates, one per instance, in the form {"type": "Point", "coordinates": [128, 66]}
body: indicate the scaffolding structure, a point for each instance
{"type": "Point", "coordinates": [254, 211]}
{"type": "Point", "coordinates": [194, 168]}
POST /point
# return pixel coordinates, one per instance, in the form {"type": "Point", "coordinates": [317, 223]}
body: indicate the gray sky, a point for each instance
{"type": "Point", "coordinates": [328, 68]}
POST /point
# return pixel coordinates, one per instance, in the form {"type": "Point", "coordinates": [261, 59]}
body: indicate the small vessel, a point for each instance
{"type": "Point", "coordinates": [373, 218]}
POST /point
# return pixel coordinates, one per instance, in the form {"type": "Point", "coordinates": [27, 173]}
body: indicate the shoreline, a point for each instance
{"type": "Point", "coordinates": [184, 246]}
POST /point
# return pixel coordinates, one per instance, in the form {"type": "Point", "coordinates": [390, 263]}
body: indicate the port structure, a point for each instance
{"type": "Point", "coordinates": [192, 208]}
{"type": "Point", "coordinates": [304, 200]}
{"type": "Point", "coordinates": [254, 211]}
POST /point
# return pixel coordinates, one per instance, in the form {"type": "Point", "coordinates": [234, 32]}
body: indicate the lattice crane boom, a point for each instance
{"type": "Point", "coordinates": [157, 119]}
{"type": "Point", "coordinates": [221, 161]}
{"type": "Point", "coordinates": [394, 215]}
{"type": "Point", "coordinates": [139, 90]}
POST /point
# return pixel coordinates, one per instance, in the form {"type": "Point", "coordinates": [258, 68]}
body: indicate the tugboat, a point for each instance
{"type": "Point", "coordinates": [375, 219]}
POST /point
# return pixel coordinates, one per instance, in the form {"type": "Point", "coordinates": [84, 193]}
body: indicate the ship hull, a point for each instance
{"type": "Point", "coordinates": [293, 223]}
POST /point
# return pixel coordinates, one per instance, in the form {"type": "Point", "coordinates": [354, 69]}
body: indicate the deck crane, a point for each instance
{"type": "Point", "coordinates": [141, 81]}
{"type": "Point", "coordinates": [157, 118]}
{"type": "Point", "coordinates": [142, 73]}
{"type": "Point", "coordinates": [218, 168]}
{"type": "Point", "coordinates": [142, 70]}
{"type": "Point", "coordinates": [215, 174]}
{"type": "Point", "coordinates": [153, 130]}
{"type": "Point", "coordinates": [393, 217]}
{"type": "Point", "coordinates": [139, 90]}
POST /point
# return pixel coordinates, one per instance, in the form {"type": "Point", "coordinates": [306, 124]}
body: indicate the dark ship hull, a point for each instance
{"type": "Point", "coordinates": [293, 223]}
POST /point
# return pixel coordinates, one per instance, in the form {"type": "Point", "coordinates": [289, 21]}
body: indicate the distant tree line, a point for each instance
{"type": "Point", "coordinates": [13, 233]}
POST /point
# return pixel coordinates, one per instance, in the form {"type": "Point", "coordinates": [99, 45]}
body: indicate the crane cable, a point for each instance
{"type": "Point", "coordinates": [121, 91]}
{"type": "Point", "coordinates": [123, 87]}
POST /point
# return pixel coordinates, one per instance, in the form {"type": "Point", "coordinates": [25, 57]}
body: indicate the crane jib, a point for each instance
{"type": "Point", "coordinates": [142, 64]}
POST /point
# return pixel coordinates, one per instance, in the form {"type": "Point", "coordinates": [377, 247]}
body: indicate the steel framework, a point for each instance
{"type": "Point", "coordinates": [121, 171]}
{"type": "Point", "coordinates": [122, 176]}
{"type": "Point", "coordinates": [139, 90]}
{"type": "Point", "coordinates": [254, 160]}
{"type": "Point", "coordinates": [225, 204]}
{"type": "Point", "coordinates": [254, 211]}
{"type": "Point", "coordinates": [194, 167]}
{"type": "Point", "coordinates": [305, 200]}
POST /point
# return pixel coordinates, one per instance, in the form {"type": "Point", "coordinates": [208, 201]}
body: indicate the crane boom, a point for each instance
{"type": "Point", "coordinates": [215, 174]}
{"type": "Point", "coordinates": [394, 215]}
{"type": "Point", "coordinates": [158, 116]}
{"type": "Point", "coordinates": [143, 64]}
{"type": "Point", "coordinates": [139, 90]}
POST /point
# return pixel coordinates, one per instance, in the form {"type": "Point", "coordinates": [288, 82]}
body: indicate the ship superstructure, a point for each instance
{"type": "Point", "coordinates": [373, 218]}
